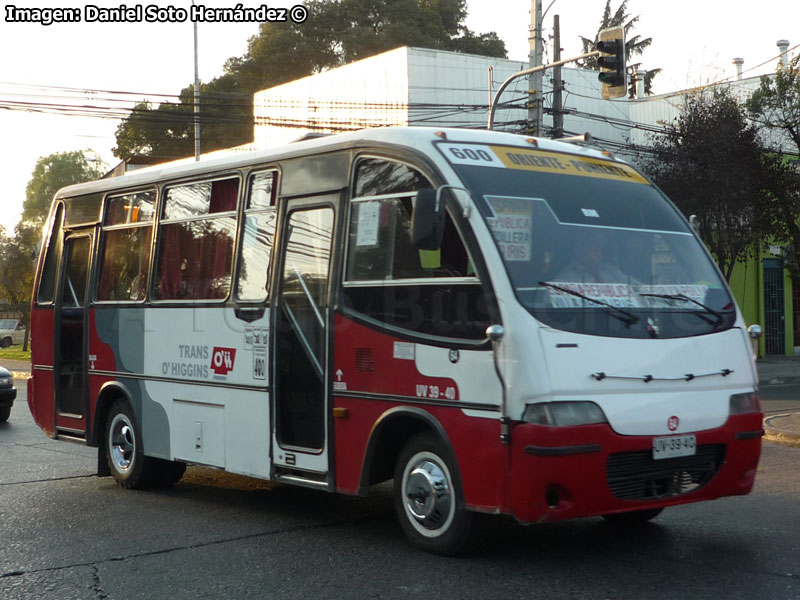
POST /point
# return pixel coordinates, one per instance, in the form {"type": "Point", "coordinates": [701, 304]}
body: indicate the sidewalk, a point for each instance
{"type": "Point", "coordinates": [781, 370]}
{"type": "Point", "coordinates": [20, 369]}
{"type": "Point", "coordinates": [772, 370]}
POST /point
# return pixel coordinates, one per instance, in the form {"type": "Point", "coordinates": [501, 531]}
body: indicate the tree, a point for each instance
{"type": "Point", "coordinates": [18, 253]}
{"type": "Point", "coordinates": [776, 103]}
{"type": "Point", "coordinates": [17, 258]}
{"type": "Point", "coordinates": [710, 162]}
{"type": "Point", "coordinates": [775, 106]}
{"type": "Point", "coordinates": [336, 32]}
{"type": "Point", "coordinates": [51, 173]}
{"type": "Point", "coordinates": [634, 45]}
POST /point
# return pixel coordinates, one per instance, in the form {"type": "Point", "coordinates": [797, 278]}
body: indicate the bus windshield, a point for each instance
{"type": "Point", "coordinates": [594, 248]}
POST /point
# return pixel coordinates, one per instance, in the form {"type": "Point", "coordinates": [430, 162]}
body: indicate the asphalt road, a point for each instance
{"type": "Point", "coordinates": [65, 533]}
{"type": "Point", "coordinates": [780, 398]}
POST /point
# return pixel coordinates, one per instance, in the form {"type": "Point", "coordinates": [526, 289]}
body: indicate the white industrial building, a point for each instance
{"type": "Point", "coordinates": [416, 86]}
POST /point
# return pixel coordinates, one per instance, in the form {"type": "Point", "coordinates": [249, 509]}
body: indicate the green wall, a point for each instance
{"type": "Point", "coordinates": [747, 285]}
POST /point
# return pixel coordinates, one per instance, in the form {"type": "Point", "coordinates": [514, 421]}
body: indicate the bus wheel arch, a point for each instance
{"type": "Point", "coordinates": [118, 435]}
{"type": "Point", "coordinates": [410, 445]}
{"type": "Point", "coordinates": [390, 433]}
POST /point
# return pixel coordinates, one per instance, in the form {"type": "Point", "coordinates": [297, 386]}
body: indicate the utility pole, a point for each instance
{"type": "Point", "coordinates": [558, 113]}
{"type": "Point", "coordinates": [535, 95]}
{"type": "Point", "coordinates": [196, 99]}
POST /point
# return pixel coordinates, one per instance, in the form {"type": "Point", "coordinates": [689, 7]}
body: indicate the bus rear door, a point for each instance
{"type": "Point", "coordinates": [70, 338]}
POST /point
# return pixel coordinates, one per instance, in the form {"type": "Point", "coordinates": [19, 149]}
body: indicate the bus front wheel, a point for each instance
{"type": "Point", "coordinates": [427, 497]}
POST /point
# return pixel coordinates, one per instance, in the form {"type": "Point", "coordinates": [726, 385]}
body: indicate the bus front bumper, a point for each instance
{"type": "Point", "coordinates": [566, 472]}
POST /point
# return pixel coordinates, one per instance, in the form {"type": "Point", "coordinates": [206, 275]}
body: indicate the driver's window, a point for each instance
{"type": "Point", "coordinates": [387, 279]}
{"type": "Point", "coordinates": [379, 237]}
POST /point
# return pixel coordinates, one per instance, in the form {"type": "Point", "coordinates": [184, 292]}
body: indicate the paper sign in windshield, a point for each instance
{"type": "Point", "coordinates": [696, 292]}
{"type": "Point", "coordinates": [623, 295]}
{"type": "Point", "coordinates": [368, 217]}
{"type": "Point", "coordinates": [620, 295]}
{"type": "Point", "coordinates": [512, 227]}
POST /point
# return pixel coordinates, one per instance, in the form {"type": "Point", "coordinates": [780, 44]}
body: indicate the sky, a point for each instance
{"type": "Point", "coordinates": [694, 43]}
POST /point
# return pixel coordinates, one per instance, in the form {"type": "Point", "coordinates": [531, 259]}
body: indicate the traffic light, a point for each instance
{"type": "Point", "coordinates": [613, 72]}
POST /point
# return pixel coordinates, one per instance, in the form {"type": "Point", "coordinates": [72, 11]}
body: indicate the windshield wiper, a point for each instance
{"type": "Point", "coordinates": [718, 316]}
{"type": "Point", "coordinates": [621, 314]}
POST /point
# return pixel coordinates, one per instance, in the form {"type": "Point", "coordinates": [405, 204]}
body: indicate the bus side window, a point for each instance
{"type": "Point", "coordinates": [47, 283]}
{"type": "Point", "coordinates": [257, 237]}
{"type": "Point", "coordinates": [388, 279]}
{"type": "Point", "coordinates": [125, 254]}
{"type": "Point", "coordinates": [195, 255]}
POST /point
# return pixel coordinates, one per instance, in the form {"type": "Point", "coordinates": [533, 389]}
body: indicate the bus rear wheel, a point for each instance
{"type": "Point", "coordinates": [428, 499]}
{"type": "Point", "coordinates": [123, 445]}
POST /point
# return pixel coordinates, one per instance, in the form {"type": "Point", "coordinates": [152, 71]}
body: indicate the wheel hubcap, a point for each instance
{"type": "Point", "coordinates": [122, 443]}
{"type": "Point", "coordinates": [427, 494]}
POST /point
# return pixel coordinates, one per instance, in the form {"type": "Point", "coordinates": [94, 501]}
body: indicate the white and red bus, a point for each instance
{"type": "Point", "coordinates": [500, 324]}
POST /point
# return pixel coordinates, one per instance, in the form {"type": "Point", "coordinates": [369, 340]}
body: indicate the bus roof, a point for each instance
{"type": "Point", "coordinates": [409, 137]}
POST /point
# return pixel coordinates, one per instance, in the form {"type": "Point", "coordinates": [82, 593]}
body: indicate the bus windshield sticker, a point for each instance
{"type": "Point", "coordinates": [512, 226]}
{"type": "Point", "coordinates": [510, 157]}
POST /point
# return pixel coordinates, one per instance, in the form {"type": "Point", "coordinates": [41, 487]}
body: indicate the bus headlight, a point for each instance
{"type": "Point", "coordinates": [741, 404]}
{"type": "Point", "coordinates": [563, 414]}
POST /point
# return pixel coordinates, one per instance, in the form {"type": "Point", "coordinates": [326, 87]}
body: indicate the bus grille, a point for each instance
{"type": "Point", "coordinates": [636, 476]}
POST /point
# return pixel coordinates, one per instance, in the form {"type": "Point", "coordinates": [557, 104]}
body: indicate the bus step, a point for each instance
{"type": "Point", "coordinates": [71, 436]}
{"type": "Point", "coordinates": [318, 481]}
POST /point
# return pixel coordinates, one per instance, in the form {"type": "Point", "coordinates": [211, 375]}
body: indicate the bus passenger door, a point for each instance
{"type": "Point", "coordinates": [301, 341]}
{"type": "Point", "coordinates": [70, 347]}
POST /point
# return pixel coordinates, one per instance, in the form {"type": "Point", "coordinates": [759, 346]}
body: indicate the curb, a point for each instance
{"type": "Point", "coordinates": [773, 432]}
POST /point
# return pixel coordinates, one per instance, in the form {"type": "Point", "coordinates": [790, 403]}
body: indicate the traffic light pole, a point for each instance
{"type": "Point", "coordinates": [518, 74]}
{"type": "Point", "coordinates": [558, 108]}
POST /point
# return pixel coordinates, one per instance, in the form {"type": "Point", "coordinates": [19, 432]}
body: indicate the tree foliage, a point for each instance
{"type": "Point", "coordinates": [51, 173]}
{"type": "Point", "coordinates": [775, 106]}
{"type": "Point", "coordinates": [634, 45]}
{"type": "Point", "coordinates": [710, 162]}
{"type": "Point", "coordinates": [336, 32]}
{"type": "Point", "coordinates": [776, 103]}
{"type": "Point", "coordinates": [18, 252]}
{"type": "Point", "coordinates": [17, 258]}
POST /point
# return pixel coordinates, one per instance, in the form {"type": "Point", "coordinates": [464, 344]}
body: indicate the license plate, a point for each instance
{"type": "Point", "coordinates": [669, 447]}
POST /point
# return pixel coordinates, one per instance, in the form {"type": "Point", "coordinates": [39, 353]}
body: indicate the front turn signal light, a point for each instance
{"type": "Point", "coordinates": [742, 404]}
{"type": "Point", "coordinates": [564, 414]}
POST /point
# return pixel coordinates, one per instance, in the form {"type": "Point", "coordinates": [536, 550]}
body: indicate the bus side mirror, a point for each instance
{"type": "Point", "coordinates": [427, 222]}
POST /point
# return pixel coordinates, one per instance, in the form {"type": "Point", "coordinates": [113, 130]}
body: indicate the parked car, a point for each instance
{"type": "Point", "coordinates": [12, 332]}
{"type": "Point", "coordinates": [7, 394]}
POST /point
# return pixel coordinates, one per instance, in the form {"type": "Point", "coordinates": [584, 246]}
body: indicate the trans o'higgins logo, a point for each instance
{"type": "Point", "coordinates": [222, 360]}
